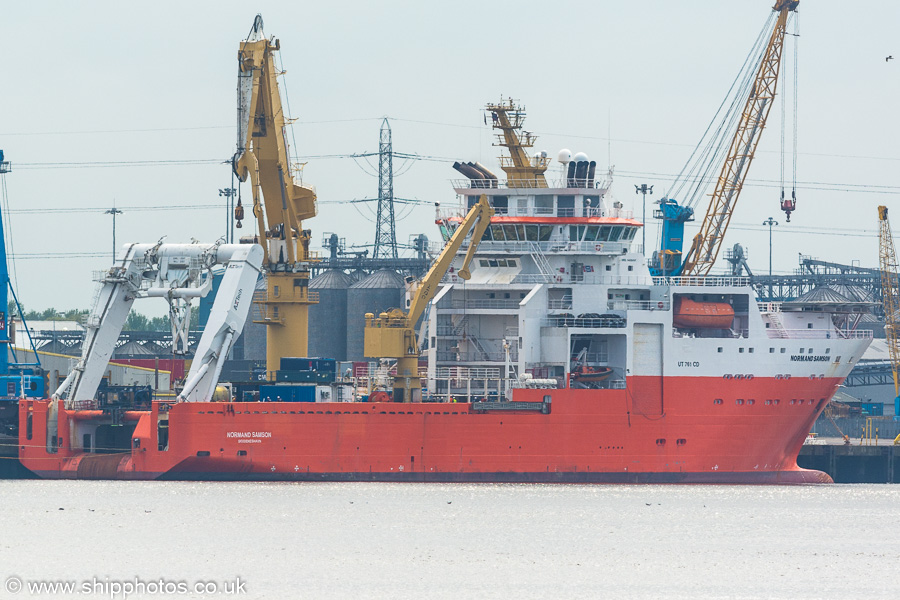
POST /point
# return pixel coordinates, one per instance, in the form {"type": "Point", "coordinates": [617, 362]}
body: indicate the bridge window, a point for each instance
{"type": "Point", "coordinates": [565, 206]}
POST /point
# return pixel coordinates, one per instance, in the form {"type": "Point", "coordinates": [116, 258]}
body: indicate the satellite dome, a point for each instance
{"type": "Point", "coordinates": [581, 157]}
{"type": "Point", "coordinates": [565, 156]}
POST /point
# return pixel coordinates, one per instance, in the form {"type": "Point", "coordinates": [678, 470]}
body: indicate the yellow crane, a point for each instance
{"type": "Point", "coordinates": [392, 334]}
{"type": "Point", "coordinates": [708, 242]}
{"type": "Point", "coordinates": [890, 296]}
{"type": "Point", "coordinates": [280, 204]}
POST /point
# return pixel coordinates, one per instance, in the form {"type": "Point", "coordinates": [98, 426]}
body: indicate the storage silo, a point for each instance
{"type": "Point", "coordinates": [380, 291]}
{"type": "Point", "coordinates": [253, 338]}
{"type": "Point", "coordinates": [328, 318]}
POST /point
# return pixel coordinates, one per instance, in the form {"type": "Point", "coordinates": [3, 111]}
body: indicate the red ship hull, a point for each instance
{"type": "Point", "coordinates": [704, 430]}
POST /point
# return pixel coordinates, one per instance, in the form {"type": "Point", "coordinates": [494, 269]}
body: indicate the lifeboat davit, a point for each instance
{"type": "Point", "coordinates": [708, 315]}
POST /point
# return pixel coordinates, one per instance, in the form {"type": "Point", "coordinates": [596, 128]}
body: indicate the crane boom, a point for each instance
{"type": "Point", "coordinates": [280, 204]}
{"type": "Point", "coordinates": [890, 293]}
{"type": "Point", "coordinates": [708, 242]}
{"type": "Point", "coordinates": [176, 272]}
{"type": "Point", "coordinates": [392, 334]}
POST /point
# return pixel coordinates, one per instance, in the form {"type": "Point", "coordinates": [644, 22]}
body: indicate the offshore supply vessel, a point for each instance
{"type": "Point", "coordinates": [560, 359]}
{"type": "Point", "coordinates": [552, 352]}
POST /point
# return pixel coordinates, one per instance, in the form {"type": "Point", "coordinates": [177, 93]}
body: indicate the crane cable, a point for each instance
{"type": "Point", "coordinates": [8, 239]}
{"type": "Point", "coordinates": [714, 146]}
{"type": "Point", "coordinates": [796, 89]}
{"type": "Point", "coordinates": [691, 182]}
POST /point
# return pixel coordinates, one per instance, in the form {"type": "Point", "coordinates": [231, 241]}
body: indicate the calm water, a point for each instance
{"type": "Point", "coordinates": [397, 541]}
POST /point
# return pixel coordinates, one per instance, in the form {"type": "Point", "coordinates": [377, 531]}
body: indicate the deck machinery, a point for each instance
{"type": "Point", "coordinates": [280, 204]}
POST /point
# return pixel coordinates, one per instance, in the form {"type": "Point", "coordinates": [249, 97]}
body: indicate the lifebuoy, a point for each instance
{"type": "Point", "coordinates": [598, 247]}
{"type": "Point", "coordinates": [659, 305]}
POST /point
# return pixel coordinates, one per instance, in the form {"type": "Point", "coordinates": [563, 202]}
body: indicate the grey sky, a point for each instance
{"type": "Point", "coordinates": [96, 82]}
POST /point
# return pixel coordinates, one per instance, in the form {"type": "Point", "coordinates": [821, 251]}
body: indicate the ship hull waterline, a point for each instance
{"type": "Point", "coordinates": [697, 430]}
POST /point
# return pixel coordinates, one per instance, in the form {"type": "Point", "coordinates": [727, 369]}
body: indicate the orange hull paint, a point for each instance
{"type": "Point", "coordinates": [707, 431]}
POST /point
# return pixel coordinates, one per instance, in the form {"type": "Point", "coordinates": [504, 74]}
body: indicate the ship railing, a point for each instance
{"type": "Point", "coordinates": [455, 373]}
{"type": "Point", "coordinates": [560, 304]}
{"type": "Point", "coordinates": [527, 247]}
{"type": "Point", "coordinates": [477, 356]}
{"type": "Point", "coordinates": [769, 307]}
{"type": "Point", "coordinates": [594, 358]}
{"type": "Point", "coordinates": [819, 334]}
{"type": "Point", "coordinates": [589, 278]}
{"type": "Point", "coordinates": [85, 405]}
{"type": "Point", "coordinates": [588, 323]}
{"type": "Point", "coordinates": [530, 184]}
{"type": "Point", "coordinates": [488, 303]}
{"type": "Point", "coordinates": [703, 281]}
{"type": "Point", "coordinates": [638, 305]}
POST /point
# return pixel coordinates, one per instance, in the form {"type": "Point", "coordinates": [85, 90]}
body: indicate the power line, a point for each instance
{"type": "Point", "coordinates": [123, 163]}
{"type": "Point", "coordinates": [99, 209]}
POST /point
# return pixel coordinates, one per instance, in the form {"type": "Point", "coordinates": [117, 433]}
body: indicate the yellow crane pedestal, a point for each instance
{"type": "Point", "coordinates": [284, 310]}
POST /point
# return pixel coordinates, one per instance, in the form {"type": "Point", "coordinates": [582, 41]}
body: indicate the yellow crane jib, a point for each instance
{"type": "Point", "coordinates": [392, 333]}
{"type": "Point", "coordinates": [280, 204]}
{"type": "Point", "coordinates": [708, 242]}
{"type": "Point", "coordinates": [890, 296]}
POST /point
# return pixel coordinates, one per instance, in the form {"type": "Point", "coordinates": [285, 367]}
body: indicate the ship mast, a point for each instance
{"type": "Point", "coordinates": [521, 170]}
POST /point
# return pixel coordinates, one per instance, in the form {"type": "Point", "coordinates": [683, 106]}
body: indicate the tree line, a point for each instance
{"type": "Point", "coordinates": [135, 321]}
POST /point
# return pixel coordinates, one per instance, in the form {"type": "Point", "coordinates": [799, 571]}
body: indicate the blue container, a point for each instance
{"type": "Point", "coordinates": [289, 363]}
{"type": "Point", "coordinates": [11, 386]}
{"type": "Point", "coordinates": [295, 376]}
{"type": "Point", "coordinates": [287, 393]}
{"type": "Point", "coordinates": [872, 409]}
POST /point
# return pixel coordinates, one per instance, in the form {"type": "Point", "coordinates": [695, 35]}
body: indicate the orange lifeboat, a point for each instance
{"type": "Point", "coordinates": [709, 315]}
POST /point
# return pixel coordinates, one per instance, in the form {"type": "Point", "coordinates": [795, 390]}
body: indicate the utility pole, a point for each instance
{"type": "Point", "coordinates": [644, 189]}
{"type": "Point", "coordinates": [114, 211]}
{"type": "Point", "coordinates": [771, 223]}
{"type": "Point", "coordinates": [229, 194]}
{"type": "Point", "coordinates": [385, 227]}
